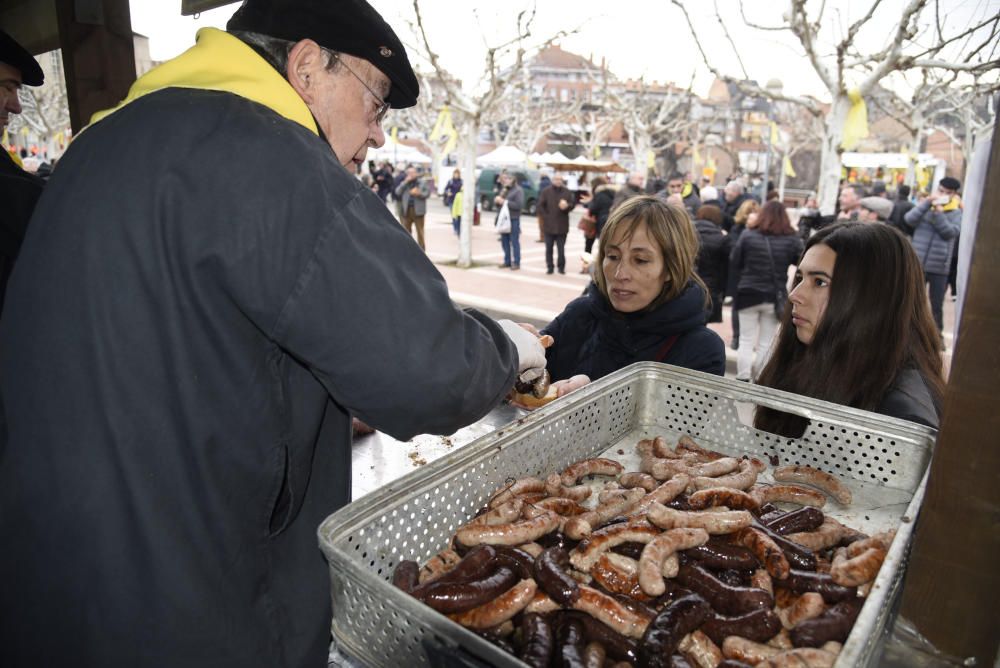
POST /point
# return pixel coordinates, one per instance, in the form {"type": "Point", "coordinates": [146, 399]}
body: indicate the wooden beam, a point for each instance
{"type": "Point", "coordinates": [952, 590]}
{"type": "Point", "coordinates": [98, 55]}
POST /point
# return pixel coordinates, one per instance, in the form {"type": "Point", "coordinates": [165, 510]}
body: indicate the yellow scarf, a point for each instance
{"type": "Point", "coordinates": [952, 204]}
{"type": "Point", "coordinates": [219, 61]}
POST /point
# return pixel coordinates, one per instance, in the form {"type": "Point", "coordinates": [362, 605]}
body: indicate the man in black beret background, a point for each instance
{"type": "Point", "coordinates": [204, 300]}
{"type": "Point", "coordinates": [19, 190]}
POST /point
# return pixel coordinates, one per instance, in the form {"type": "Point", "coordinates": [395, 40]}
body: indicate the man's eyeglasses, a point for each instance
{"type": "Point", "coordinates": [383, 105]}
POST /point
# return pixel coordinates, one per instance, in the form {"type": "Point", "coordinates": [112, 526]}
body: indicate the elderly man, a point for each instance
{"type": "Point", "coordinates": [850, 202]}
{"type": "Point", "coordinates": [412, 194]}
{"type": "Point", "coordinates": [19, 190]}
{"type": "Point", "coordinates": [209, 297]}
{"type": "Point", "coordinates": [874, 209]}
{"type": "Point", "coordinates": [554, 205]}
{"type": "Point", "coordinates": [936, 222]}
{"type": "Point", "coordinates": [632, 188]}
{"type": "Point", "coordinates": [734, 195]}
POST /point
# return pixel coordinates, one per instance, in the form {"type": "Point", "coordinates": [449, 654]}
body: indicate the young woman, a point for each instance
{"type": "Point", "coordinates": [858, 330]}
{"type": "Point", "coordinates": [758, 268]}
{"type": "Point", "coordinates": [646, 302]}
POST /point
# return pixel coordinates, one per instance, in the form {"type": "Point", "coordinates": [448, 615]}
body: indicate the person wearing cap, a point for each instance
{"type": "Point", "coordinates": [936, 222]}
{"type": "Point", "coordinates": [19, 190]}
{"type": "Point", "coordinates": [208, 298]}
{"type": "Point", "coordinates": [874, 209]}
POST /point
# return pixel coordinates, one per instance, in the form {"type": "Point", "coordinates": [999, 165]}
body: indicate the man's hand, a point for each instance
{"type": "Point", "coordinates": [563, 204]}
{"type": "Point", "coordinates": [564, 387]}
{"type": "Point", "coordinates": [530, 353]}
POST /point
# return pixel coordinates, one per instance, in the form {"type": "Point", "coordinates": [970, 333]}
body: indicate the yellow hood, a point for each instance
{"type": "Point", "coordinates": [219, 61]}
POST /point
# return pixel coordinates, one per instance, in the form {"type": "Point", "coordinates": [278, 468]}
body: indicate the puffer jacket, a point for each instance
{"type": "Point", "coordinates": [934, 236]}
{"type": "Point", "coordinates": [750, 268]}
{"type": "Point", "coordinates": [600, 205]}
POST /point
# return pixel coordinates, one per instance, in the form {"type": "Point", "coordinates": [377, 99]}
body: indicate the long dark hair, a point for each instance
{"type": "Point", "coordinates": [877, 322]}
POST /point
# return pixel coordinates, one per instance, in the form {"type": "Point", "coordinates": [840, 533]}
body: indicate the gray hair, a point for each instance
{"type": "Point", "coordinates": [275, 51]}
{"type": "Point", "coordinates": [735, 187]}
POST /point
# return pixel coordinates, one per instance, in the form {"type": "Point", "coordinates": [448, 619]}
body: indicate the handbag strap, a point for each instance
{"type": "Point", "coordinates": [665, 348]}
{"type": "Point", "coordinates": [774, 271]}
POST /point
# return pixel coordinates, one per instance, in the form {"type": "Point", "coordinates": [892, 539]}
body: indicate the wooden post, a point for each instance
{"type": "Point", "coordinates": [98, 55]}
{"type": "Point", "coordinates": [952, 590]}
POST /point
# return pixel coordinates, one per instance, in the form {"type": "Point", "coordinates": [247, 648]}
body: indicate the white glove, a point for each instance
{"type": "Point", "coordinates": [530, 353]}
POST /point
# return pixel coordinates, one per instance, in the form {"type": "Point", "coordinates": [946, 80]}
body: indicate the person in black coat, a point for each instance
{"type": "Point", "coordinates": [734, 196]}
{"type": "Point", "coordinates": [713, 257]}
{"type": "Point", "coordinates": [599, 207]}
{"type": "Point", "coordinates": [758, 273]}
{"type": "Point", "coordinates": [646, 302]}
{"type": "Point", "coordinates": [859, 331]}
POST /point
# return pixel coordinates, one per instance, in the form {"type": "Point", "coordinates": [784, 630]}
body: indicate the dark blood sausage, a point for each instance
{"type": "Point", "coordinates": [797, 556]}
{"type": "Point", "coordinates": [724, 598]}
{"type": "Point", "coordinates": [803, 581]}
{"type": "Point", "coordinates": [734, 578]}
{"type": "Point", "coordinates": [759, 626]}
{"type": "Point", "coordinates": [631, 549]}
{"type": "Point", "coordinates": [557, 539]}
{"type": "Point", "coordinates": [615, 644]}
{"type": "Point", "coordinates": [537, 640]}
{"type": "Point", "coordinates": [733, 663]}
{"type": "Point", "coordinates": [720, 555]}
{"type": "Point", "coordinates": [665, 632]}
{"type": "Point", "coordinates": [452, 597]}
{"type": "Point", "coordinates": [806, 518]}
{"type": "Point", "coordinates": [406, 575]}
{"type": "Point", "coordinates": [569, 648]}
{"type": "Point", "coordinates": [766, 518]}
{"type": "Point", "coordinates": [768, 508]}
{"type": "Point", "coordinates": [834, 624]}
{"type": "Point", "coordinates": [517, 560]}
{"type": "Point", "coordinates": [550, 574]}
{"type": "Point", "coordinates": [477, 563]}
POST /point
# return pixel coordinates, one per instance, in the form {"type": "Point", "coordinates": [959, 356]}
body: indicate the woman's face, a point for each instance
{"type": "Point", "coordinates": [633, 269]}
{"type": "Point", "coordinates": [810, 297]}
{"type": "Point", "coordinates": [752, 220]}
{"type": "Point", "coordinates": [456, 174]}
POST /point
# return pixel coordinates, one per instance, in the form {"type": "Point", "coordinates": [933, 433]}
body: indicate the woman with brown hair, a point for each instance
{"type": "Point", "coordinates": [646, 302]}
{"type": "Point", "coordinates": [758, 274]}
{"type": "Point", "coordinates": [857, 331]}
{"type": "Point", "coordinates": [742, 218]}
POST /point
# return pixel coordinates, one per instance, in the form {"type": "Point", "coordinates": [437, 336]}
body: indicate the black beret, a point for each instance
{"type": "Point", "coordinates": [346, 26]}
{"type": "Point", "coordinates": [950, 183]}
{"type": "Point", "coordinates": [17, 56]}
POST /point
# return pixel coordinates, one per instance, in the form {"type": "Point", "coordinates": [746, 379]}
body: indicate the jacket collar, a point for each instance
{"type": "Point", "coordinates": [218, 61]}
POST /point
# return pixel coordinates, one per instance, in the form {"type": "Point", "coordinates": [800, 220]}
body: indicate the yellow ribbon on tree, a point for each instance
{"type": "Point", "coordinates": [856, 123]}
{"type": "Point", "coordinates": [695, 155]}
{"type": "Point", "coordinates": [789, 170]}
{"type": "Point", "coordinates": [443, 127]}
{"type": "Point", "coordinates": [6, 138]}
{"type": "Point", "coordinates": [596, 152]}
{"type": "Point", "coordinates": [650, 159]}
{"type": "Point", "coordinates": [775, 138]}
{"type": "Point", "coordinates": [394, 134]}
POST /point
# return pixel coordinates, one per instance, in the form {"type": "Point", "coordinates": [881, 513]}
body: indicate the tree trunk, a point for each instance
{"type": "Point", "coordinates": [468, 140]}
{"type": "Point", "coordinates": [913, 154]}
{"type": "Point", "coordinates": [830, 164]}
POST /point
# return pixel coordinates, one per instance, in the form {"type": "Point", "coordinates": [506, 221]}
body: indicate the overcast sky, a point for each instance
{"type": "Point", "coordinates": [638, 38]}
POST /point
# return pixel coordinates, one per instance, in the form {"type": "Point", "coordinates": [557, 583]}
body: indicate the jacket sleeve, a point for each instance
{"type": "Point", "coordinates": [340, 286]}
{"type": "Point", "coordinates": [913, 216]}
{"type": "Point", "coordinates": [947, 223]}
{"type": "Point", "coordinates": [425, 190]}
{"type": "Point", "coordinates": [542, 209]}
{"type": "Point", "coordinates": [398, 191]}
{"type": "Point", "coordinates": [735, 265]}
{"type": "Point", "coordinates": [515, 201]}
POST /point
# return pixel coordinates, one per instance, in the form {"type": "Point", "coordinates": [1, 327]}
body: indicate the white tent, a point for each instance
{"type": "Point", "coordinates": [503, 155]}
{"type": "Point", "coordinates": [886, 160]}
{"type": "Point", "coordinates": [398, 153]}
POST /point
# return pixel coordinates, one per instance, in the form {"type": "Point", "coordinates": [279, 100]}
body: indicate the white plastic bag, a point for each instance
{"type": "Point", "coordinates": [502, 225]}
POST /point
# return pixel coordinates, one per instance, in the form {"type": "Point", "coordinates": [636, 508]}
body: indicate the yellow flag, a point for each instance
{"type": "Point", "coordinates": [596, 152]}
{"type": "Point", "coordinates": [923, 177]}
{"type": "Point", "coordinates": [437, 131]}
{"type": "Point", "coordinates": [650, 159]}
{"type": "Point", "coordinates": [394, 134]}
{"type": "Point", "coordinates": [711, 164]}
{"type": "Point", "coordinates": [856, 123]}
{"type": "Point", "coordinates": [775, 139]}
{"type": "Point", "coordinates": [789, 170]}
{"type": "Point", "coordinates": [6, 139]}
{"type": "Point", "coordinates": [695, 156]}
{"type": "Point", "coordinates": [24, 130]}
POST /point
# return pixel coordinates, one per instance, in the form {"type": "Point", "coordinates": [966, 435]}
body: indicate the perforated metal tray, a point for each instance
{"type": "Point", "coordinates": [882, 460]}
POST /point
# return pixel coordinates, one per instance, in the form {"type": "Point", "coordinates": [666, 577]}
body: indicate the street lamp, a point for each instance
{"type": "Point", "coordinates": [774, 87]}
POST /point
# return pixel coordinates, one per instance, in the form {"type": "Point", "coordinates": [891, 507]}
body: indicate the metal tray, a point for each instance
{"type": "Point", "coordinates": [883, 460]}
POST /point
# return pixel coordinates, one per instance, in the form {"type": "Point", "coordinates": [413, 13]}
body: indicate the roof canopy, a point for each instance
{"type": "Point", "coordinates": [396, 152]}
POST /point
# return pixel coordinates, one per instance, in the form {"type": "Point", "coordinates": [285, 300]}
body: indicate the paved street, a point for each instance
{"type": "Point", "coordinates": [530, 295]}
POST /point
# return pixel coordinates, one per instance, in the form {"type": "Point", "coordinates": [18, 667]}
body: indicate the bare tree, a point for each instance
{"type": "Point", "coordinates": [44, 110]}
{"type": "Point", "coordinates": [589, 128]}
{"type": "Point", "coordinates": [473, 110]}
{"type": "Point", "coordinates": [522, 118]}
{"type": "Point", "coordinates": [969, 50]}
{"type": "Point", "coordinates": [421, 117]}
{"type": "Point", "coordinates": [654, 121]}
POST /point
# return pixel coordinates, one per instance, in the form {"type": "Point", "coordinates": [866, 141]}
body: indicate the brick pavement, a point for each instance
{"type": "Point", "coordinates": [531, 295]}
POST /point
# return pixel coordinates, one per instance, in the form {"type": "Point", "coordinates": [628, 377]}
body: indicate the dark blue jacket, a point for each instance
{"type": "Point", "coordinates": [592, 338]}
{"type": "Point", "coordinates": [934, 236]}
